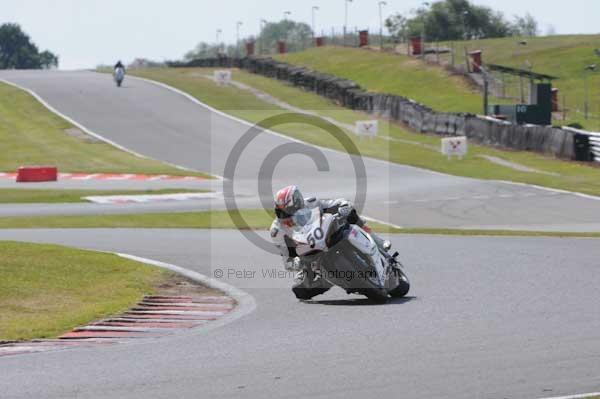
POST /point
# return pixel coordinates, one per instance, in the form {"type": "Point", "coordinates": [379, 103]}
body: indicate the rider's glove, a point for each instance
{"type": "Point", "coordinates": [274, 231]}
{"type": "Point", "coordinates": [344, 211]}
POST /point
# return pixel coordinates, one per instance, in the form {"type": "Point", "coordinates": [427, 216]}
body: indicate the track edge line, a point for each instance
{"type": "Point", "coordinates": [578, 396]}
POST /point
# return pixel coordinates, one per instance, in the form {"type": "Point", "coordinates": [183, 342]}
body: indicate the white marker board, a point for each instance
{"type": "Point", "coordinates": [455, 146]}
{"type": "Point", "coordinates": [222, 77]}
{"type": "Point", "coordinates": [367, 128]}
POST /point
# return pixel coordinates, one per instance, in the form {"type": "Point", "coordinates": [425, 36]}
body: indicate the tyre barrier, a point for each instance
{"type": "Point", "coordinates": [558, 142]}
{"type": "Point", "coordinates": [36, 174]}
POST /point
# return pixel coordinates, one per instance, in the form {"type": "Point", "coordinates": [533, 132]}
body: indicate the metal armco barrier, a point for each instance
{"type": "Point", "coordinates": [558, 142]}
{"type": "Point", "coordinates": [587, 145]}
{"type": "Point", "coordinates": [595, 145]}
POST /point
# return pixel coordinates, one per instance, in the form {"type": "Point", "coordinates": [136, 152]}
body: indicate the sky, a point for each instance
{"type": "Point", "coordinates": [86, 33]}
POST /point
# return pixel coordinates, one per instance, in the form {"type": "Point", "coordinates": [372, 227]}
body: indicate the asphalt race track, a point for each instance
{"type": "Point", "coordinates": [488, 317]}
{"type": "Point", "coordinates": [156, 122]}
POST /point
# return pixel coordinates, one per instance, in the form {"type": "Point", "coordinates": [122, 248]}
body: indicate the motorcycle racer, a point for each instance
{"type": "Point", "coordinates": [288, 201]}
{"type": "Point", "coordinates": [118, 65]}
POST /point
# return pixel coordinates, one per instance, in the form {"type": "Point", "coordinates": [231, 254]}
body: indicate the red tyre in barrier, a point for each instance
{"type": "Point", "coordinates": [363, 36]}
{"type": "Point", "coordinates": [281, 47]}
{"type": "Point", "coordinates": [29, 174]}
{"type": "Point", "coordinates": [249, 48]}
{"type": "Point", "coordinates": [477, 60]}
{"type": "Point", "coordinates": [417, 45]}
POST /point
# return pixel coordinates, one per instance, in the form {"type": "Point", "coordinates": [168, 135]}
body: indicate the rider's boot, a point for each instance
{"type": "Point", "coordinates": [308, 285]}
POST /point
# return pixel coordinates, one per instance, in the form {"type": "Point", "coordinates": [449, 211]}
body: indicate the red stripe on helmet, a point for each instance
{"type": "Point", "coordinates": [282, 198]}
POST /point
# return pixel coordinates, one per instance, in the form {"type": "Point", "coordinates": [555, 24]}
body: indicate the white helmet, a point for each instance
{"type": "Point", "coordinates": [288, 201]}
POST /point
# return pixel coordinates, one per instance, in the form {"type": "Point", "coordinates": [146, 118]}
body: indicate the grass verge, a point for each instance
{"type": "Point", "coordinates": [256, 219]}
{"type": "Point", "coordinates": [46, 290]}
{"type": "Point", "coordinates": [47, 196]}
{"type": "Point", "coordinates": [561, 56]}
{"type": "Point", "coordinates": [394, 74]}
{"type": "Point", "coordinates": [396, 144]}
{"type": "Point", "coordinates": [32, 135]}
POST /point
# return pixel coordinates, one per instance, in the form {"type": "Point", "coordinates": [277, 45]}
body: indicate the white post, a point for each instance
{"type": "Point", "coordinates": [314, 9]}
{"type": "Point", "coordinates": [219, 31]}
{"type": "Point", "coordinates": [381, 4]}
{"type": "Point", "coordinates": [346, 18]}
{"type": "Point", "coordinates": [238, 24]}
{"type": "Point", "coordinates": [261, 44]}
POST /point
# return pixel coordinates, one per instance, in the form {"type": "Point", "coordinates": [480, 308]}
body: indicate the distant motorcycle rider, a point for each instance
{"type": "Point", "coordinates": [118, 65]}
{"type": "Point", "coordinates": [288, 201]}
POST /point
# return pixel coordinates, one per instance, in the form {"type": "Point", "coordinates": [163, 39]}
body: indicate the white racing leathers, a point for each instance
{"type": "Point", "coordinates": [307, 283]}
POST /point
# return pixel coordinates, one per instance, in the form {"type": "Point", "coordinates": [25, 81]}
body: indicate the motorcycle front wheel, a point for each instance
{"type": "Point", "coordinates": [403, 285]}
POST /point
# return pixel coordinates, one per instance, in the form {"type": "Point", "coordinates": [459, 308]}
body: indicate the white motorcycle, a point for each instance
{"type": "Point", "coordinates": [119, 75]}
{"type": "Point", "coordinates": [346, 255]}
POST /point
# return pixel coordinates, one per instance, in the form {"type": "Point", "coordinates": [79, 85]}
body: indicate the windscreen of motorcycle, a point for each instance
{"type": "Point", "coordinates": [303, 217]}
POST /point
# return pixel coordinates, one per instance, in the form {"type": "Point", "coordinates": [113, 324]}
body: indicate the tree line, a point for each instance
{"type": "Point", "coordinates": [296, 35]}
{"type": "Point", "coordinates": [443, 20]}
{"type": "Point", "coordinates": [458, 20]}
{"type": "Point", "coordinates": [17, 51]}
